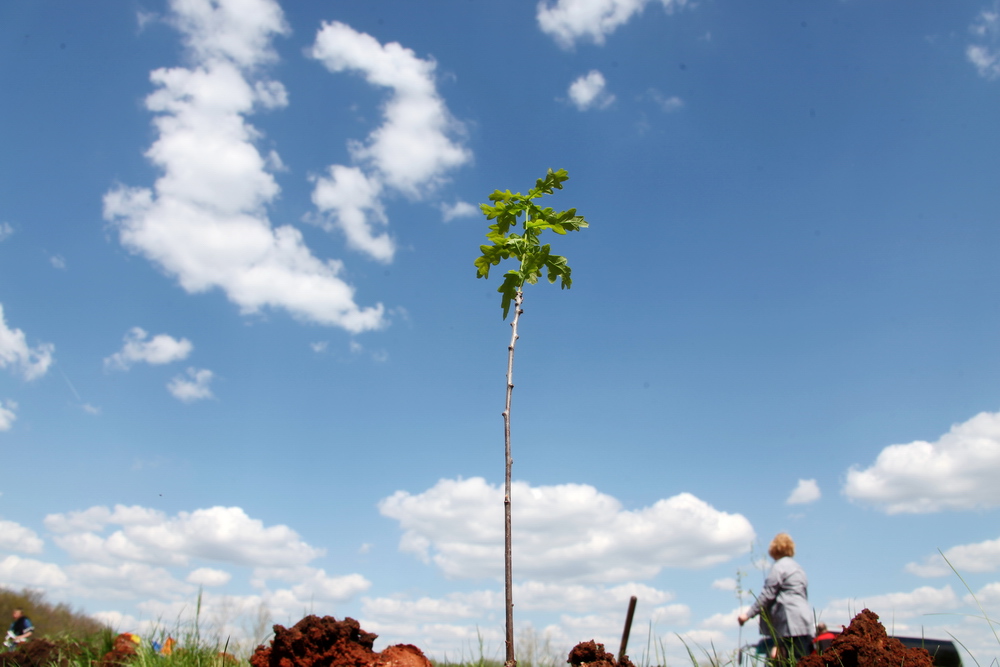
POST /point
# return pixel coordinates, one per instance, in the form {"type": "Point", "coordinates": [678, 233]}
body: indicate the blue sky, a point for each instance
{"type": "Point", "coordinates": [243, 347]}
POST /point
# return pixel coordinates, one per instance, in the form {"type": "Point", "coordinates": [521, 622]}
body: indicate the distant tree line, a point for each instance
{"type": "Point", "coordinates": [50, 619]}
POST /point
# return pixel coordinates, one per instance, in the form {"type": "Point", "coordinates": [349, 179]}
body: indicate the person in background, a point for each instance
{"type": "Point", "coordinates": [823, 638]}
{"type": "Point", "coordinates": [785, 596]}
{"type": "Point", "coordinates": [20, 630]}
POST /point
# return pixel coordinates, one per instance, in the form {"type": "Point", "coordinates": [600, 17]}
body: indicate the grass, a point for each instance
{"type": "Point", "coordinates": [82, 641]}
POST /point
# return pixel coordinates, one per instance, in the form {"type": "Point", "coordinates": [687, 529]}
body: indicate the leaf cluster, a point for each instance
{"type": "Point", "coordinates": [510, 236]}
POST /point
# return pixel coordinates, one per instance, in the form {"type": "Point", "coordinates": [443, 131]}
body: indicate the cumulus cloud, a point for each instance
{"type": "Point", "coordinates": [126, 580]}
{"type": "Point", "coordinates": [585, 610]}
{"type": "Point", "coordinates": [143, 557]}
{"type": "Point", "coordinates": [208, 576]}
{"type": "Point", "coordinates": [569, 20]}
{"type": "Point", "coordinates": [725, 584]}
{"type": "Point", "coordinates": [205, 222]}
{"type": "Point", "coordinates": [410, 153]}
{"type": "Point", "coordinates": [666, 104]}
{"type": "Point", "coordinates": [160, 349]}
{"type": "Point", "coordinates": [986, 57]}
{"type": "Point", "coordinates": [192, 388]}
{"type": "Point", "coordinates": [988, 596]}
{"type": "Point", "coordinates": [807, 491]}
{"type": "Point", "coordinates": [5, 231]}
{"type": "Point", "coordinates": [219, 534]}
{"type": "Point", "coordinates": [28, 572]}
{"type": "Point", "coordinates": [956, 472]}
{"type": "Point", "coordinates": [318, 585]}
{"type": "Point", "coordinates": [979, 557]}
{"type": "Point", "coordinates": [460, 209]}
{"type": "Point", "coordinates": [16, 354]}
{"type": "Point", "coordinates": [7, 415]}
{"type": "Point", "coordinates": [530, 596]}
{"type": "Point", "coordinates": [566, 533]}
{"type": "Point", "coordinates": [590, 91]}
{"type": "Point", "coordinates": [918, 602]}
{"type": "Point", "coordinates": [15, 537]}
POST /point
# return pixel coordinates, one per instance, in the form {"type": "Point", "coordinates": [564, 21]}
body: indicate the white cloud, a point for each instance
{"type": "Point", "coordinates": [8, 415]}
{"type": "Point", "coordinates": [725, 584]}
{"type": "Point", "coordinates": [58, 262]}
{"type": "Point", "coordinates": [27, 572]}
{"type": "Point", "coordinates": [460, 209]}
{"type": "Point", "coordinates": [126, 580]}
{"type": "Point", "coordinates": [988, 596]}
{"type": "Point", "coordinates": [205, 221]}
{"type": "Point", "coordinates": [987, 24]}
{"type": "Point", "coordinates": [192, 388]}
{"type": "Point", "coordinates": [401, 610]}
{"type": "Point", "coordinates": [15, 537]}
{"type": "Point", "coordinates": [529, 596]}
{"type": "Point", "coordinates": [918, 602]}
{"type": "Point", "coordinates": [566, 533]}
{"type": "Point", "coordinates": [410, 152]}
{"type": "Point", "coordinates": [219, 534]}
{"type": "Point", "coordinates": [5, 231]}
{"type": "Point", "coordinates": [986, 57]}
{"type": "Point", "coordinates": [579, 598]}
{"type": "Point", "coordinates": [118, 621]}
{"type": "Point", "coordinates": [569, 20]}
{"type": "Point", "coordinates": [979, 557]}
{"type": "Point", "coordinates": [320, 346]}
{"type": "Point", "coordinates": [986, 60]}
{"type": "Point", "coordinates": [32, 362]}
{"type": "Point", "coordinates": [160, 349]}
{"type": "Point", "coordinates": [236, 30]}
{"type": "Point", "coordinates": [318, 585]}
{"type": "Point", "coordinates": [589, 91]}
{"type": "Point", "coordinates": [207, 576]}
{"type": "Point", "coordinates": [807, 491]}
{"type": "Point", "coordinates": [157, 562]}
{"type": "Point", "coordinates": [667, 104]}
{"type": "Point", "coordinates": [957, 472]}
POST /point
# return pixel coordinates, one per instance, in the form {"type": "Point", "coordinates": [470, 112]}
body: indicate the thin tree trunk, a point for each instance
{"type": "Point", "coordinates": [508, 572]}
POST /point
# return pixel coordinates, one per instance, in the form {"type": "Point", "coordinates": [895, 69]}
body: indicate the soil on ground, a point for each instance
{"type": "Point", "coordinates": [592, 654]}
{"type": "Point", "coordinates": [122, 651]}
{"type": "Point", "coordinates": [327, 642]}
{"type": "Point", "coordinates": [865, 643]}
{"type": "Point", "coordinates": [40, 653]}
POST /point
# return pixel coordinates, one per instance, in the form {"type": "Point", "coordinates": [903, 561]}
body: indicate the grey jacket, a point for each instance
{"type": "Point", "coordinates": [786, 596]}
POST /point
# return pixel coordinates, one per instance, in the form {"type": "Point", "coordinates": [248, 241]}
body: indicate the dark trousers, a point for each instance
{"type": "Point", "coordinates": [794, 649]}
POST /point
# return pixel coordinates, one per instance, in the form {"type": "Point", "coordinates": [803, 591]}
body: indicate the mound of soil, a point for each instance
{"type": "Point", "coordinates": [40, 653]}
{"type": "Point", "coordinates": [122, 651]}
{"type": "Point", "coordinates": [327, 642]}
{"type": "Point", "coordinates": [865, 643]}
{"type": "Point", "coordinates": [593, 654]}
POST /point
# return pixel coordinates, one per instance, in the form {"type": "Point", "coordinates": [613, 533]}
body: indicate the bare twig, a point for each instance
{"type": "Point", "coordinates": [507, 559]}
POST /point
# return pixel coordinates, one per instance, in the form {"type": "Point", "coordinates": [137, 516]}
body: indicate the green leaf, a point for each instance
{"type": "Point", "coordinates": [535, 258]}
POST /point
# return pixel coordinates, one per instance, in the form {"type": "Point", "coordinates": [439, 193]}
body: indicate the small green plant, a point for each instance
{"type": "Point", "coordinates": [508, 240]}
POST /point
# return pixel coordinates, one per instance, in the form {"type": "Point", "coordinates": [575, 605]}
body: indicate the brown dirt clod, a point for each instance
{"type": "Point", "coordinates": [327, 642]}
{"type": "Point", "coordinates": [40, 653]}
{"type": "Point", "coordinates": [592, 654]}
{"type": "Point", "coordinates": [121, 653]}
{"type": "Point", "coordinates": [865, 643]}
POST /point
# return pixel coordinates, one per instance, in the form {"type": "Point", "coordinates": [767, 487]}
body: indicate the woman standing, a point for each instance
{"type": "Point", "coordinates": [785, 601]}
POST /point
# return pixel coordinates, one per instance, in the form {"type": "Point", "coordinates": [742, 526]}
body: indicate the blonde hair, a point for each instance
{"type": "Point", "coordinates": [781, 546]}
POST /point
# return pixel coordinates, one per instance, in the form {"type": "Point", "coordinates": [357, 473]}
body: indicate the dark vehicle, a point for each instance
{"type": "Point", "coordinates": [943, 651]}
